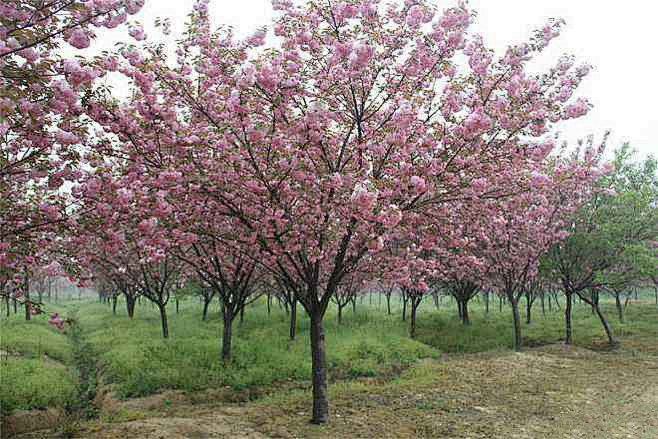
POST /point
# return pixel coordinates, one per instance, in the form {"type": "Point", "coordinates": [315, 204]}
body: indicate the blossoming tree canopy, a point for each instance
{"type": "Point", "coordinates": [41, 124]}
{"type": "Point", "coordinates": [358, 129]}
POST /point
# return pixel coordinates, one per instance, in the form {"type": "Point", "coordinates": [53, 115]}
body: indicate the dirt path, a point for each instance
{"type": "Point", "coordinates": [548, 392]}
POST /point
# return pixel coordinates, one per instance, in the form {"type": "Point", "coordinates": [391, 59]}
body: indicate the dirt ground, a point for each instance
{"type": "Point", "coordinates": [547, 392]}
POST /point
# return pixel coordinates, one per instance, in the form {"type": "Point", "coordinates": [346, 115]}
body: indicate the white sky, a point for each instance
{"type": "Point", "coordinates": [618, 38]}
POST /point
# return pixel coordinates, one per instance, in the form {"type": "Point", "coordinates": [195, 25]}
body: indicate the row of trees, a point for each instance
{"type": "Point", "coordinates": [358, 150]}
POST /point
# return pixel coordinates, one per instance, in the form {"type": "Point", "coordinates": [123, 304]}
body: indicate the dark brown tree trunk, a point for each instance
{"type": "Point", "coordinates": [388, 303]}
{"type": "Point", "coordinates": [130, 306]}
{"type": "Point", "coordinates": [7, 303]}
{"type": "Point", "coordinates": [269, 305]}
{"type": "Point", "coordinates": [620, 309]}
{"type": "Point", "coordinates": [568, 339]}
{"type": "Point", "coordinates": [354, 305]}
{"type": "Point", "coordinates": [293, 319]}
{"type": "Point", "coordinates": [227, 335]}
{"type": "Point", "coordinates": [163, 320]}
{"type": "Point", "coordinates": [466, 320]}
{"type": "Point", "coordinates": [242, 315]}
{"type": "Point", "coordinates": [518, 340]}
{"type": "Point", "coordinates": [206, 304]}
{"type": "Point", "coordinates": [500, 304]}
{"type": "Point", "coordinates": [543, 304]}
{"type": "Point", "coordinates": [608, 330]}
{"type": "Point", "coordinates": [177, 305]}
{"type": "Point", "coordinates": [404, 309]}
{"type": "Point", "coordinates": [319, 366]}
{"type": "Point", "coordinates": [28, 313]}
{"type": "Point", "coordinates": [414, 307]}
{"type": "Point", "coordinates": [340, 314]}
{"type": "Point", "coordinates": [15, 306]}
{"type": "Point", "coordinates": [528, 308]}
{"type": "Point", "coordinates": [486, 302]}
{"type": "Point", "coordinates": [114, 304]}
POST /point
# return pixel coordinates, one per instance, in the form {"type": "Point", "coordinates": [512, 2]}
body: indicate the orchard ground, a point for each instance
{"type": "Point", "coordinates": [452, 381]}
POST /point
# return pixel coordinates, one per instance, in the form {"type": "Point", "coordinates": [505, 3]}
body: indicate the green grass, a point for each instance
{"type": "Point", "coordinates": [369, 344]}
{"type": "Point", "coordinates": [137, 359]}
{"type": "Point", "coordinates": [30, 383]}
{"type": "Point", "coordinates": [35, 338]}
{"type": "Point", "coordinates": [34, 374]}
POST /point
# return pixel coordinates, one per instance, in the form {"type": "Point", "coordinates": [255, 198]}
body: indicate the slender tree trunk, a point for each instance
{"type": "Point", "coordinates": [206, 304]}
{"type": "Point", "coordinates": [319, 366]}
{"type": "Point", "coordinates": [269, 305]}
{"type": "Point", "coordinates": [227, 335]}
{"type": "Point", "coordinates": [7, 303]}
{"type": "Point", "coordinates": [460, 309]}
{"type": "Point", "coordinates": [340, 314]}
{"type": "Point", "coordinates": [177, 305]}
{"type": "Point", "coordinates": [414, 307]}
{"type": "Point", "coordinates": [543, 304]}
{"type": "Point", "coordinates": [404, 309]}
{"type": "Point", "coordinates": [435, 296]}
{"type": "Point", "coordinates": [163, 320]}
{"type": "Point", "coordinates": [518, 340]}
{"type": "Point", "coordinates": [293, 318]}
{"type": "Point", "coordinates": [608, 330]}
{"type": "Point", "coordinates": [466, 320]}
{"type": "Point", "coordinates": [620, 309]}
{"type": "Point", "coordinates": [500, 304]}
{"type": "Point", "coordinates": [486, 302]}
{"type": "Point", "coordinates": [354, 305]}
{"type": "Point", "coordinates": [28, 313]}
{"type": "Point", "coordinates": [130, 306]}
{"type": "Point", "coordinates": [528, 309]}
{"type": "Point", "coordinates": [15, 306]}
{"type": "Point", "coordinates": [388, 302]}
{"type": "Point", "coordinates": [567, 318]}
{"type": "Point", "coordinates": [114, 304]}
{"type": "Point", "coordinates": [242, 315]}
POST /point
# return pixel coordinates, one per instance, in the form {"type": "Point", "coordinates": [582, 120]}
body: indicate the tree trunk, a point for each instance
{"type": "Point", "coordinates": [15, 306]}
{"type": "Point", "coordinates": [163, 320]}
{"type": "Point", "coordinates": [567, 319]}
{"type": "Point", "coordinates": [608, 330]}
{"type": "Point", "coordinates": [269, 304]}
{"type": "Point", "coordinates": [528, 309]}
{"type": "Point", "coordinates": [500, 304]}
{"type": "Point", "coordinates": [28, 313]}
{"type": "Point", "coordinates": [460, 309]}
{"type": "Point", "coordinates": [7, 303]}
{"type": "Point", "coordinates": [620, 309]}
{"type": "Point", "coordinates": [227, 335]}
{"type": "Point", "coordinates": [293, 318]}
{"type": "Point", "coordinates": [206, 304]}
{"type": "Point", "coordinates": [404, 309]}
{"type": "Point", "coordinates": [388, 302]}
{"type": "Point", "coordinates": [340, 314]}
{"type": "Point", "coordinates": [486, 302]}
{"type": "Point", "coordinates": [518, 340]}
{"type": "Point", "coordinates": [414, 308]}
{"type": "Point", "coordinates": [130, 306]}
{"type": "Point", "coordinates": [354, 305]}
{"type": "Point", "coordinates": [543, 304]}
{"type": "Point", "coordinates": [465, 318]}
{"type": "Point", "coordinates": [177, 305]}
{"type": "Point", "coordinates": [319, 366]}
{"type": "Point", "coordinates": [242, 315]}
{"type": "Point", "coordinates": [114, 304]}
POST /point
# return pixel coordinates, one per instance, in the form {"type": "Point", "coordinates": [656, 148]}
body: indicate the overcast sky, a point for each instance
{"type": "Point", "coordinates": [618, 38]}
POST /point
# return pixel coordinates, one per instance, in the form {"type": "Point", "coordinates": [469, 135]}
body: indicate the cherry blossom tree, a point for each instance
{"type": "Point", "coordinates": [359, 129]}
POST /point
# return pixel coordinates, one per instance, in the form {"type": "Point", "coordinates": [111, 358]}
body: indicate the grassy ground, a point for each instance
{"type": "Point", "coordinates": [454, 381]}
{"type": "Point", "coordinates": [34, 360]}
